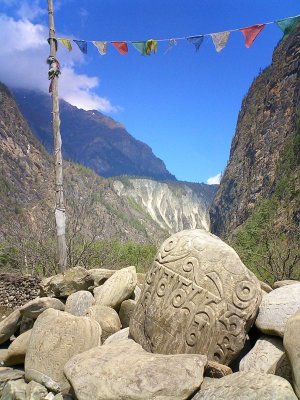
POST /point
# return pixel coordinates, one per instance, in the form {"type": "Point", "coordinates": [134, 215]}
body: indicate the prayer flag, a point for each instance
{"type": "Point", "coordinates": [82, 44]}
{"type": "Point", "coordinates": [140, 46]}
{"type": "Point", "coordinates": [172, 42]}
{"type": "Point", "coordinates": [220, 40]}
{"type": "Point", "coordinates": [101, 46]}
{"type": "Point", "coordinates": [287, 25]}
{"type": "Point", "coordinates": [151, 47]}
{"type": "Point", "coordinates": [251, 32]}
{"type": "Point", "coordinates": [121, 47]}
{"type": "Point", "coordinates": [66, 43]}
{"type": "Point", "coordinates": [196, 41]}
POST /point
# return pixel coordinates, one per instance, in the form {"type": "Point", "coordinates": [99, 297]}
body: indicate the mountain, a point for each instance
{"type": "Point", "coordinates": [173, 205]}
{"type": "Point", "coordinates": [102, 214]}
{"type": "Point", "coordinates": [90, 138]}
{"type": "Point", "coordinates": [257, 206]}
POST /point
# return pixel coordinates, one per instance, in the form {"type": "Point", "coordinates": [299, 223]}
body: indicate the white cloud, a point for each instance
{"type": "Point", "coordinates": [23, 54]}
{"type": "Point", "coordinates": [31, 11]}
{"type": "Point", "coordinates": [214, 180]}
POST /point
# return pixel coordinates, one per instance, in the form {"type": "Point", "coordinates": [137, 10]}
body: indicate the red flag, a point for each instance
{"type": "Point", "coordinates": [251, 32]}
{"type": "Point", "coordinates": [121, 47]}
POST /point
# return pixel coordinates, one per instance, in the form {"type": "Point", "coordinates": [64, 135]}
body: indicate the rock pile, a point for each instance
{"type": "Point", "coordinates": [88, 337]}
{"type": "Point", "coordinates": [16, 291]}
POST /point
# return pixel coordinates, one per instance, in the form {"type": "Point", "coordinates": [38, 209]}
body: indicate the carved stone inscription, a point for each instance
{"type": "Point", "coordinates": [198, 297]}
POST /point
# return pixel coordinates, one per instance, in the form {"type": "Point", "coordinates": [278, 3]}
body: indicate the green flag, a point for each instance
{"type": "Point", "coordinates": [140, 46]}
{"type": "Point", "coordinates": [287, 25]}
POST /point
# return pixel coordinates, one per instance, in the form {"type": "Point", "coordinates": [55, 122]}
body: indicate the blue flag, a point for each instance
{"type": "Point", "coordinates": [196, 41]}
{"type": "Point", "coordinates": [82, 44]}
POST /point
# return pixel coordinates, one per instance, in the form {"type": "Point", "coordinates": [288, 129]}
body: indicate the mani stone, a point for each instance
{"type": "Point", "coordinates": [107, 318]}
{"type": "Point", "coordinates": [276, 307]}
{"type": "Point", "coordinates": [198, 298]}
{"type": "Point", "coordinates": [73, 280]}
{"type": "Point", "coordinates": [123, 334]}
{"type": "Point", "coordinates": [55, 338]}
{"type": "Point", "coordinates": [119, 287]}
{"type": "Point", "coordinates": [246, 386]}
{"type": "Point", "coordinates": [267, 356]}
{"type": "Point", "coordinates": [291, 341]}
{"type": "Point", "coordinates": [78, 303]}
{"type": "Point", "coordinates": [17, 350]}
{"type": "Point", "coordinates": [126, 311]}
{"type": "Point", "coordinates": [123, 370]}
{"type": "Point", "coordinates": [9, 325]}
{"type": "Point", "coordinates": [35, 307]}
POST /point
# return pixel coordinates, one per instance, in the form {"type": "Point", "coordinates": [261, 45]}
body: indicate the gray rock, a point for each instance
{"type": "Point", "coordinates": [10, 374]}
{"type": "Point", "coordinates": [35, 391]}
{"type": "Point", "coordinates": [266, 356]}
{"type": "Point", "coordinates": [126, 311]}
{"type": "Point", "coordinates": [35, 307]}
{"type": "Point", "coordinates": [17, 350]}
{"type": "Point", "coordinates": [265, 287]}
{"type": "Point", "coordinates": [26, 324]}
{"type": "Point", "coordinates": [117, 288]}
{"type": "Point", "coordinates": [78, 303]}
{"type": "Point", "coordinates": [108, 319]}
{"type": "Point", "coordinates": [3, 355]}
{"type": "Point", "coordinates": [276, 307]}
{"type": "Point", "coordinates": [216, 370]}
{"type": "Point", "coordinates": [246, 386]}
{"type": "Point", "coordinates": [287, 282]}
{"type": "Point", "coordinates": [62, 286]}
{"type": "Point", "coordinates": [123, 334]}
{"type": "Point", "coordinates": [9, 325]}
{"type": "Point", "coordinates": [66, 335]}
{"type": "Point", "coordinates": [291, 341]}
{"type": "Point", "coordinates": [14, 390]}
{"type": "Point", "coordinates": [100, 275]}
{"type": "Point", "coordinates": [123, 370]}
{"type": "Point", "coordinates": [198, 298]}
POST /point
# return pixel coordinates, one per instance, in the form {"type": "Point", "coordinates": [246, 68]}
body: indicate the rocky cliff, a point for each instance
{"type": "Point", "coordinates": [97, 210]}
{"type": "Point", "coordinates": [266, 125]}
{"type": "Point", "coordinates": [173, 205]}
{"type": "Point", "coordinates": [91, 139]}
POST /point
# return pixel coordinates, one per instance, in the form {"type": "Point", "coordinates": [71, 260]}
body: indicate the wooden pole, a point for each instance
{"type": "Point", "coordinates": [60, 213]}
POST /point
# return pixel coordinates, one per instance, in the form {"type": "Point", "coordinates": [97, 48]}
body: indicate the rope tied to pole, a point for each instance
{"type": "Point", "coordinates": [54, 70]}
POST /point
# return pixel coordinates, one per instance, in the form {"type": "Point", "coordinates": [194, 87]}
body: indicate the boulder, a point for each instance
{"type": "Point", "coordinates": [126, 311]}
{"type": "Point", "coordinates": [3, 355]}
{"type": "Point", "coordinates": [265, 287]}
{"type": "Point", "coordinates": [35, 391]}
{"type": "Point", "coordinates": [107, 318]}
{"type": "Point", "coordinates": [73, 280]}
{"type": "Point", "coordinates": [117, 288]}
{"type": "Point", "coordinates": [78, 303]}
{"type": "Point", "coordinates": [9, 325]}
{"type": "Point", "coordinates": [276, 307]}
{"type": "Point", "coordinates": [123, 334]}
{"type": "Point", "coordinates": [17, 350]}
{"type": "Point", "coordinates": [55, 338]}
{"type": "Point", "coordinates": [291, 341]}
{"type": "Point", "coordinates": [14, 390]}
{"type": "Point", "coordinates": [100, 275]}
{"type": "Point", "coordinates": [279, 284]}
{"type": "Point", "coordinates": [10, 374]}
{"type": "Point", "coordinates": [35, 307]}
{"type": "Point", "coordinates": [123, 370]}
{"type": "Point", "coordinates": [26, 324]}
{"type": "Point", "coordinates": [216, 370]}
{"type": "Point", "coordinates": [246, 386]}
{"type": "Point", "coordinates": [198, 298]}
{"type": "Point", "coordinates": [266, 356]}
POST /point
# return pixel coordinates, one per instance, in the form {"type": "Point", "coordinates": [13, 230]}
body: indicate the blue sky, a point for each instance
{"type": "Point", "coordinates": [183, 104]}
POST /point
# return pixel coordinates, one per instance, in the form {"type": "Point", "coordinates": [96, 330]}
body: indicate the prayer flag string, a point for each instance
{"type": "Point", "coordinates": [147, 47]}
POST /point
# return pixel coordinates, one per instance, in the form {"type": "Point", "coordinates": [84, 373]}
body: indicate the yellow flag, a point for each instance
{"type": "Point", "coordinates": [66, 43]}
